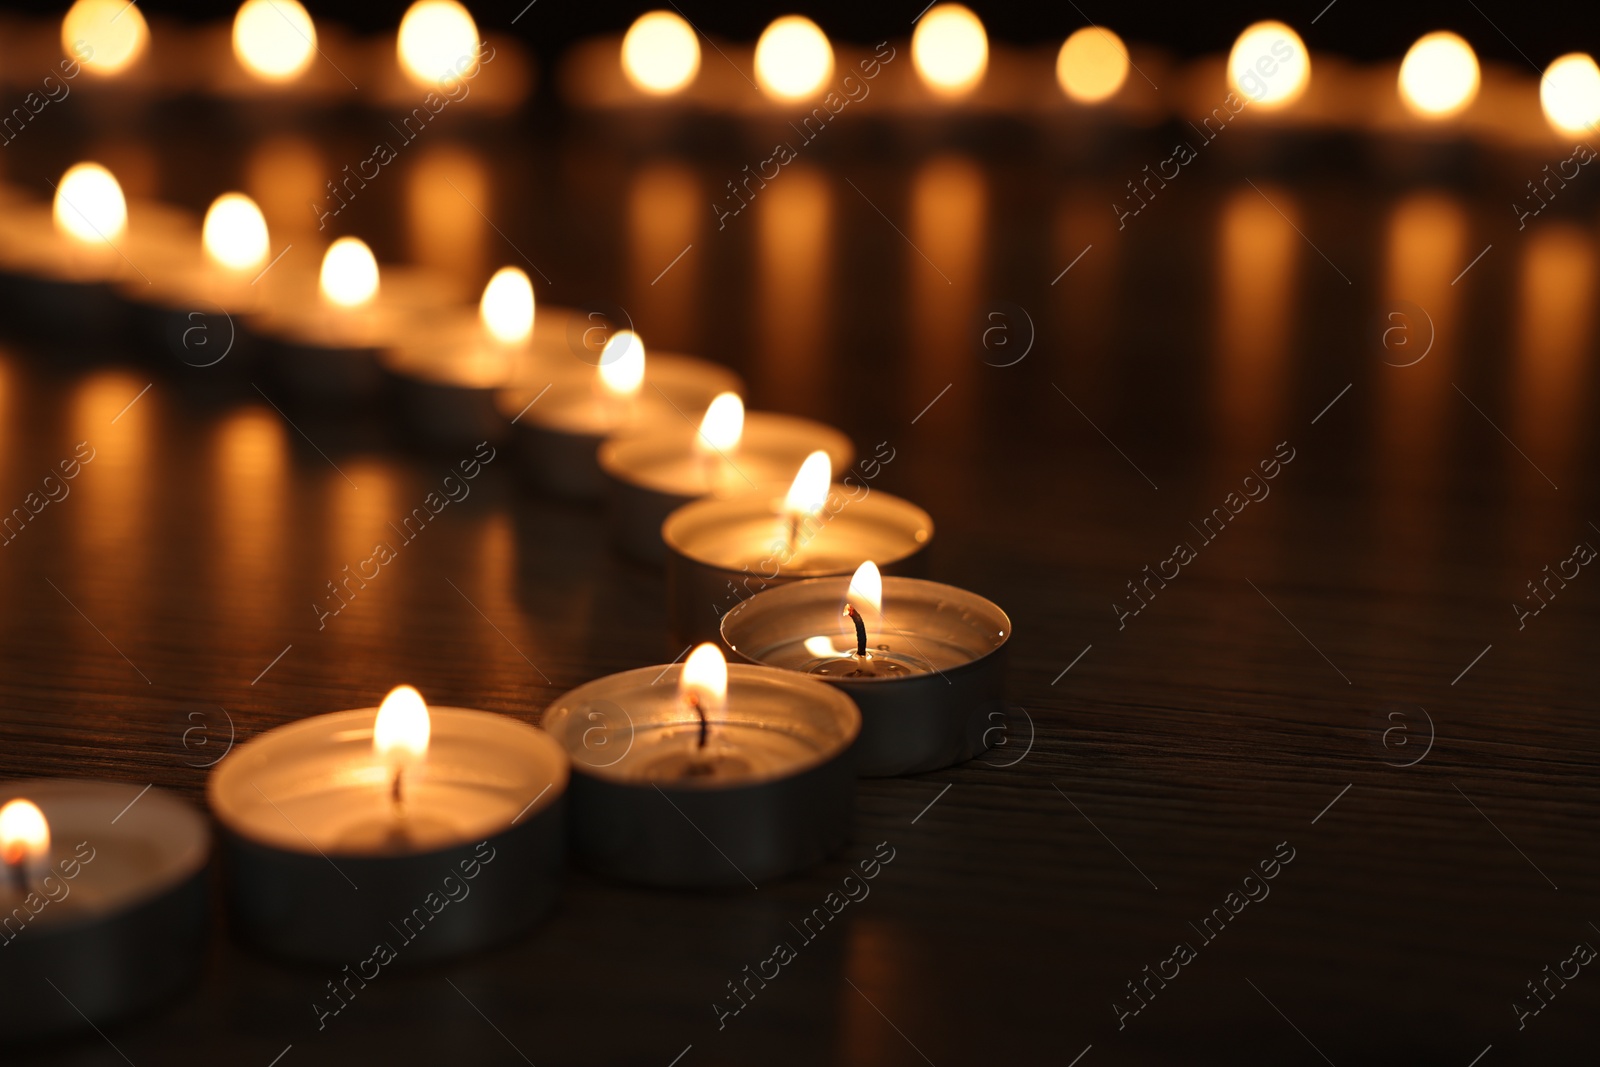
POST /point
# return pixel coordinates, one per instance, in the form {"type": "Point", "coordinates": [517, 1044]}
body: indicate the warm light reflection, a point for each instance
{"type": "Point", "coordinates": [794, 305]}
{"type": "Point", "coordinates": [1092, 65]}
{"type": "Point", "coordinates": [703, 682]}
{"type": "Point", "coordinates": [793, 58]}
{"type": "Point", "coordinates": [235, 233]}
{"type": "Point", "coordinates": [89, 205]}
{"type": "Point", "coordinates": [284, 173]}
{"type": "Point", "coordinates": [945, 268]}
{"type": "Point", "coordinates": [401, 731]}
{"type": "Point", "coordinates": [865, 593]}
{"type": "Point", "coordinates": [1270, 65]}
{"type": "Point", "coordinates": [660, 53]}
{"type": "Point", "coordinates": [274, 39]}
{"type": "Point", "coordinates": [1255, 312]}
{"type": "Point", "coordinates": [950, 49]}
{"type": "Point", "coordinates": [666, 212]}
{"type": "Point", "coordinates": [349, 273]}
{"type": "Point", "coordinates": [107, 36]}
{"type": "Point", "coordinates": [1555, 329]}
{"type": "Point", "coordinates": [24, 834]}
{"type": "Point", "coordinates": [722, 425]}
{"type": "Point", "coordinates": [506, 309]}
{"type": "Point", "coordinates": [1569, 92]}
{"type": "Point", "coordinates": [437, 40]}
{"type": "Point", "coordinates": [622, 364]}
{"type": "Point", "coordinates": [449, 199]}
{"type": "Point", "coordinates": [1439, 75]}
{"type": "Point", "coordinates": [808, 493]}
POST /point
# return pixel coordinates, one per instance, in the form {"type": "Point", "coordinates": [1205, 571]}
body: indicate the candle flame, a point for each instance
{"type": "Point", "coordinates": [400, 733]}
{"type": "Point", "coordinates": [24, 833]}
{"type": "Point", "coordinates": [722, 425]}
{"type": "Point", "coordinates": [1270, 65]}
{"type": "Point", "coordinates": [1092, 65]}
{"type": "Point", "coordinates": [507, 306]}
{"type": "Point", "coordinates": [950, 49]}
{"type": "Point", "coordinates": [274, 39]}
{"type": "Point", "coordinates": [349, 273]}
{"type": "Point", "coordinates": [622, 364]}
{"type": "Point", "coordinates": [89, 205]}
{"type": "Point", "coordinates": [1569, 92]}
{"type": "Point", "coordinates": [866, 590]}
{"type": "Point", "coordinates": [660, 53]}
{"type": "Point", "coordinates": [793, 58]}
{"type": "Point", "coordinates": [437, 40]}
{"type": "Point", "coordinates": [106, 36]}
{"type": "Point", "coordinates": [235, 232]}
{"type": "Point", "coordinates": [704, 679]}
{"type": "Point", "coordinates": [1439, 75]}
{"type": "Point", "coordinates": [808, 493]}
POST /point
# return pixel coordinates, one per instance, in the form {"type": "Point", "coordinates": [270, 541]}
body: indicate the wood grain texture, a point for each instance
{"type": "Point", "coordinates": [1134, 792]}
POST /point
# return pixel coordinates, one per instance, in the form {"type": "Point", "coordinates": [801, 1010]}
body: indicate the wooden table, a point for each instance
{"type": "Point", "coordinates": [1337, 673]}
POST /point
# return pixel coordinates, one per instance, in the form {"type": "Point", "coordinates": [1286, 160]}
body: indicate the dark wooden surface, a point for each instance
{"type": "Point", "coordinates": [1134, 790]}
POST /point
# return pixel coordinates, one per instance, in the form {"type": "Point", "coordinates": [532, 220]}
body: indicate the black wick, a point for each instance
{"type": "Point", "coordinates": [861, 630]}
{"type": "Point", "coordinates": [705, 725]}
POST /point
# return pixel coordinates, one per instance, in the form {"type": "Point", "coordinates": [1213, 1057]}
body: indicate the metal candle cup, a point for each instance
{"type": "Point", "coordinates": [651, 473]}
{"type": "Point", "coordinates": [559, 430]}
{"type": "Point", "coordinates": [937, 711]}
{"type": "Point", "coordinates": [777, 797]}
{"type": "Point", "coordinates": [321, 868]}
{"type": "Point", "coordinates": [114, 916]}
{"type": "Point", "coordinates": [447, 379]}
{"type": "Point", "coordinates": [721, 551]}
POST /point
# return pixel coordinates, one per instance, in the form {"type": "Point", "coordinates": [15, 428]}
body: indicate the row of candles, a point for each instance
{"type": "Point", "coordinates": [276, 46]}
{"type": "Point", "coordinates": [335, 828]}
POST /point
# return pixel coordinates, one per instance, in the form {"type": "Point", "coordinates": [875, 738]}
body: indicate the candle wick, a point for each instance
{"type": "Point", "coordinates": [394, 790]}
{"type": "Point", "coordinates": [705, 724]}
{"type": "Point", "coordinates": [861, 630]}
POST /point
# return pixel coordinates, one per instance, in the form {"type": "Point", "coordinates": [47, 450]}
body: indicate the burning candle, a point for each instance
{"type": "Point", "coordinates": [102, 893]}
{"type": "Point", "coordinates": [1269, 64]}
{"type": "Point", "coordinates": [793, 59]}
{"type": "Point", "coordinates": [723, 549]}
{"type": "Point", "coordinates": [660, 53]}
{"type": "Point", "coordinates": [274, 40]}
{"type": "Point", "coordinates": [113, 30]}
{"type": "Point", "coordinates": [450, 369]}
{"type": "Point", "coordinates": [1439, 76]}
{"type": "Point", "coordinates": [187, 312]}
{"type": "Point", "coordinates": [60, 264]}
{"type": "Point", "coordinates": [435, 36]}
{"type": "Point", "coordinates": [923, 661]}
{"type": "Point", "coordinates": [561, 424]}
{"type": "Point", "coordinates": [327, 344]}
{"type": "Point", "coordinates": [950, 50]}
{"type": "Point", "coordinates": [652, 472]}
{"type": "Point", "coordinates": [1092, 65]}
{"type": "Point", "coordinates": [338, 825]}
{"type": "Point", "coordinates": [1569, 93]}
{"type": "Point", "coordinates": [753, 762]}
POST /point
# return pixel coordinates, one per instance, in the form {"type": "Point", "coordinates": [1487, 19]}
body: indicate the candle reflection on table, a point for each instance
{"type": "Point", "coordinates": [113, 528]}
{"type": "Point", "coordinates": [285, 175]}
{"type": "Point", "coordinates": [446, 189]}
{"type": "Point", "coordinates": [1550, 371]}
{"type": "Point", "coordinates": [1260, 254]}
{"type": "Point", "coordinates": [1085, 295]}
{"type": "Point", "coordinates": [945, 265]}
{"type": "Point", "coordinates": [794, 300]}
{"type": "Point", "coordinates": [250, 470]}
{"type": "Point", "coordinates": [666, 206]}
{"type": "Point", "coordinates": [363, 509]}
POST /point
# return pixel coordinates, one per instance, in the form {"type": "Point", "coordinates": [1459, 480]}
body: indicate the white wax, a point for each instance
{"type": "Point", "coordinates": [105, 856]}
{"type": "Point", "coordinates": [317, 785]}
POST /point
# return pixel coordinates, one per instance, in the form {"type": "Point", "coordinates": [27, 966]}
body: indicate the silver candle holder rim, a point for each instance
{"type": "Point", "coordinates": [618, 449]}
{"type": "Point", "coordinates": [840, 702]}
{"type": "Point", "coordinates": [219, 776]}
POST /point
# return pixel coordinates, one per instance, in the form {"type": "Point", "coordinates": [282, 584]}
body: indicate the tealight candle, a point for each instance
{"type": "Point", "coordinates": [339, 826]}
{"type": "Point", "coordinates": [703, 775]}
{"type": "Point", "coordinates": [326, 345]}
{"type": "Point", "coordinates": [448, 374]}
{"type": "Point", "coordinates": [102, 897]}
{"type": "Point", "coordinates": [59, 267]}
{"type": "Point", "coordinates": [653, 471]}
{"type": "Point", "coordinates": [560, 425]}
{"type": "Point", "coordinates": [721, 550]}
{"type": "Point", "coordinates": [923, 661]}
{"type": "Point", "coordinates": [193, 313]}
